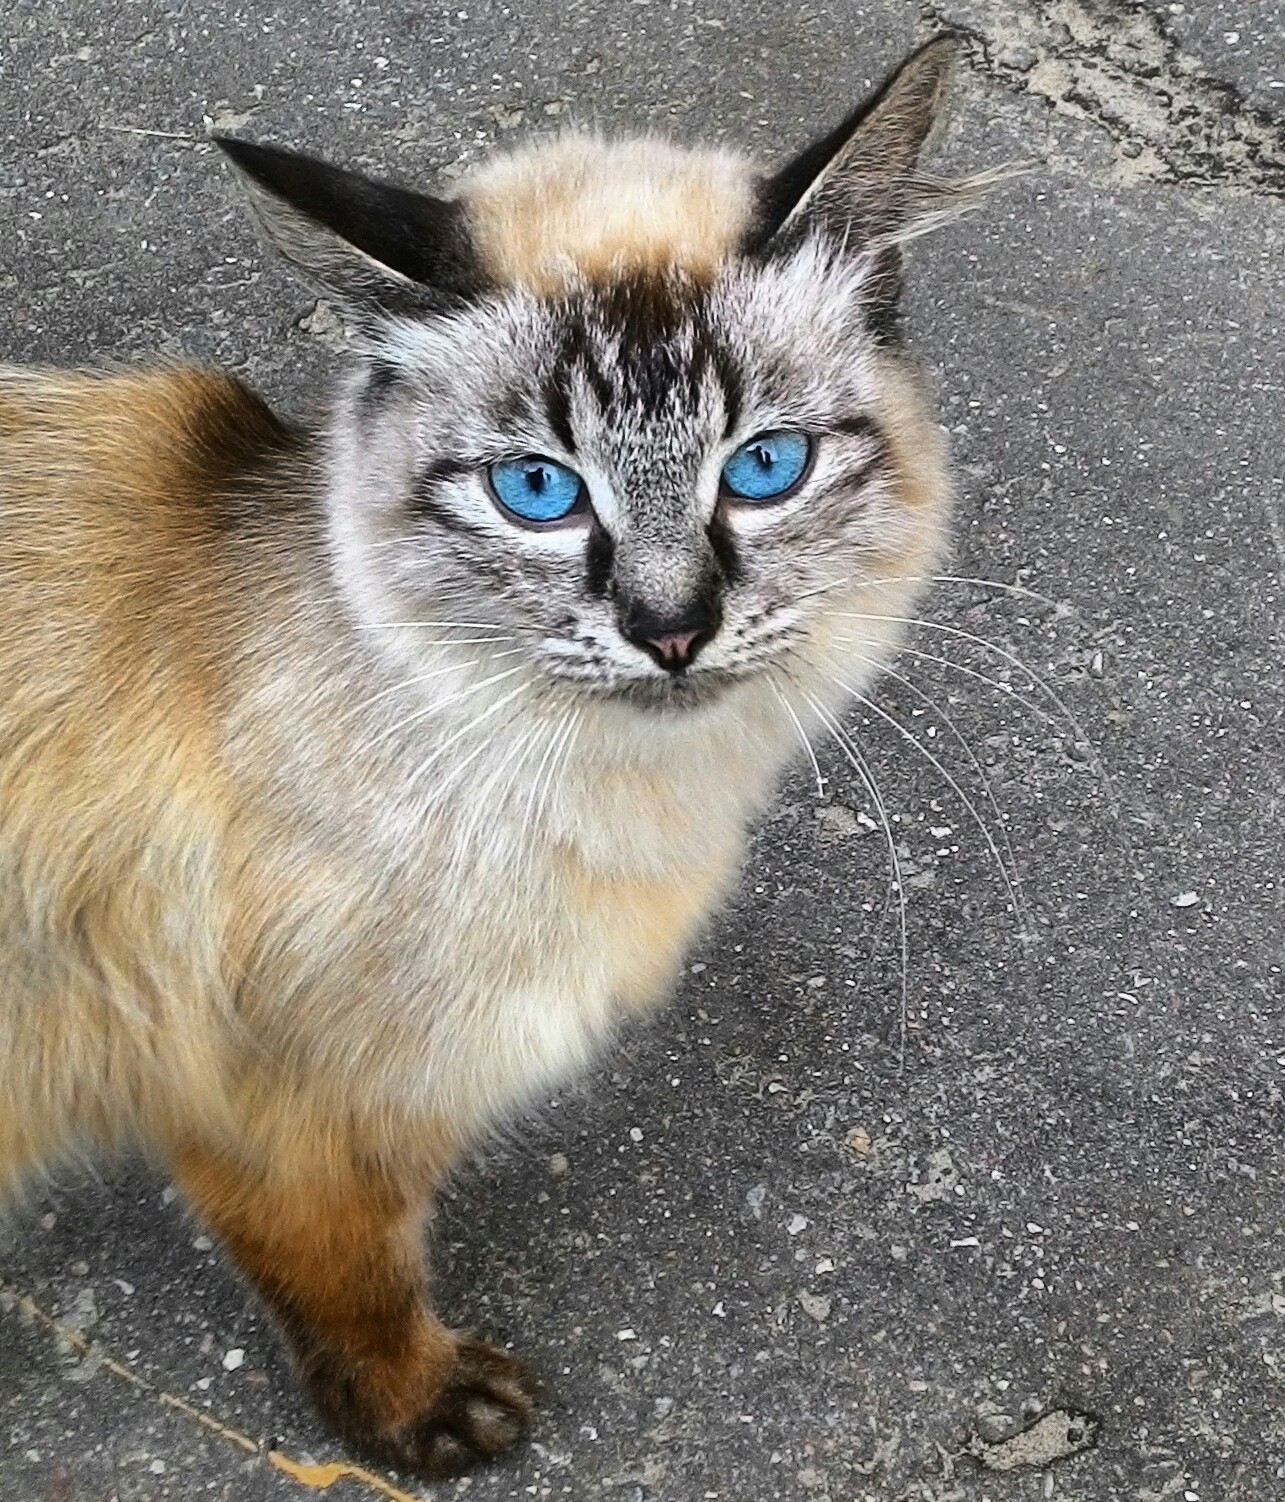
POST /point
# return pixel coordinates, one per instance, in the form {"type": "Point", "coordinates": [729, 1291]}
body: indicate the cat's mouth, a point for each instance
{"type": "Point", "coordinates": [676, 693]}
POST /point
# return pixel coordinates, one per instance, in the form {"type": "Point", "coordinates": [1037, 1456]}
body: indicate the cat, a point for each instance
{"type": "Point", "coordinates": [357, 780]}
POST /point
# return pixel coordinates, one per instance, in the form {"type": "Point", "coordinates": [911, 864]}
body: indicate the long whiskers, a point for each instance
{"type": "Point", "coordinates": [449, 699]}
{"type": "Point", "coordinates": [543, 789]}
{"type": "Point", "coordinates": [418, 678]}
{"type": "Point", "coordinates": [1037, 681]}
{"type": "Point", "coordinates": [976, 581]}
{"type": "Point", "coordinates": [440, 750]}
{"type": "Point", "coordinates": [802, 733]}
{"type": "Point", "coordinates": [847, 744]}
{"type": "Point", "coordinates": [1006, 867]}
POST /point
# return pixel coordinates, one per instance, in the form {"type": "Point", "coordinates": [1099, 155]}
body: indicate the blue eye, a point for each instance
{"type": "Point", "coordinates": [536, 489]}
{"type": "Point", "coordinates": [767, 466]}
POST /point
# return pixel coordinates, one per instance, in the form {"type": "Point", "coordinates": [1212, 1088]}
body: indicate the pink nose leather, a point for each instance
{"type": "Point", "coordinates": [674, 648]}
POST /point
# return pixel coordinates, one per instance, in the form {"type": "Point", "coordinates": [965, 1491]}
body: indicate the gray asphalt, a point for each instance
{"type": "Point", "coordinates": [754, 1257]}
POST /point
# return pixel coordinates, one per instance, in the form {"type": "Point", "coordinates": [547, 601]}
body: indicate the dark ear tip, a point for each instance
{"type": "Point", "coordinates": [242, 154]}
{"type": "Point", "coordinates": [248, 155]}
{"type": "Point", "coordinates": [945, 44]}
{"type": "Point", "coordinates": [938, 55]}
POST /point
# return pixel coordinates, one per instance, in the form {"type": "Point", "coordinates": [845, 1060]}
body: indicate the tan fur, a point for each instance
{"type": "Point", "coordinates": [237, 925]}
{"type": "Point", "coordinates": [174, 951]}
{"type": "Point", "coordinates": [593, 208]}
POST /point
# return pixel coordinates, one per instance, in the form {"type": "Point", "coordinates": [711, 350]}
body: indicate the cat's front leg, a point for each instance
{"type": "Point", "coordinates": [334, 1248]}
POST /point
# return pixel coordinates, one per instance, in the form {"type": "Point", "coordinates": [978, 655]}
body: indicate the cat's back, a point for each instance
{"type": "Point", "coordinates": [118, 493]}
{"type": "Point", "coordinates": [124, 502]}
{"type": "Point", "coordinates": [137, 456]}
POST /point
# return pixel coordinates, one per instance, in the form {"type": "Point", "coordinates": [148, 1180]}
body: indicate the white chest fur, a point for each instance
{"type": "Point", "coordinates": [547, 931]}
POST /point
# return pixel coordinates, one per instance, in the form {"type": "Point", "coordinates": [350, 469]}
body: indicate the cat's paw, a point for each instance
{"type": "Point", "coordinates": [483, 1408]}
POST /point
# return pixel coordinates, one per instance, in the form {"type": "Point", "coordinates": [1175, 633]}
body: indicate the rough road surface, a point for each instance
{"type": "Point", "coordinates": [754, 1257]}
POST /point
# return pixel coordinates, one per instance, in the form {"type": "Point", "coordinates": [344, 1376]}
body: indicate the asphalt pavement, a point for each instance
{"type": "Point", "coordinates": [766, 1251]}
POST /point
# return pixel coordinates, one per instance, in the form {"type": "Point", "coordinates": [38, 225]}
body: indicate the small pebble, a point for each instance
{"type": "Point", "coordinates": [797, 1223]}
{"type": "Point", "coordinates": [815, 1306]}
{"type": "Point", "coordinates": [234, 1358]}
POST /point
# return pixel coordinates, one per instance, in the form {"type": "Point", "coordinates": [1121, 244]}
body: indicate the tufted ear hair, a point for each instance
{"type": "Point", "coordinates": [861, 187]}
{"type": "Point", "coordinates": [862, 180]}
{"type": "Point", "coordinates": [379, 248]}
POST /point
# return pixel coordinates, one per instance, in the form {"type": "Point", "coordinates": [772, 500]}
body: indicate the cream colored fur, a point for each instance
{"type": "Point", "coordinates": [227, 896]}
{"type": "Point", "coordinates": [582, 206]}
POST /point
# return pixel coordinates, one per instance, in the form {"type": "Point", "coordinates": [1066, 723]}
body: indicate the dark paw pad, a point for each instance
{"type": "Point", "coordinates": [484, 1408]}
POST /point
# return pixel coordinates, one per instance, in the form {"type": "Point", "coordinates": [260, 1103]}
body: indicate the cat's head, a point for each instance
{"type": "Point", "coordinates": [634, 409]}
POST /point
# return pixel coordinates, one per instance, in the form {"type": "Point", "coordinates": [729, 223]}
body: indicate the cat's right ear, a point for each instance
{"type": "Point", "coordinates": [378, 248]}
{"type": "Point", "coordinates": [861, 183]}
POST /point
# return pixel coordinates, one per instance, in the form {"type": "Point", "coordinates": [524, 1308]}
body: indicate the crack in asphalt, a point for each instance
{"type": "Point", "coordinates": [309, 1474]}
{"type": "Point", "coordinates": [1114, 64]}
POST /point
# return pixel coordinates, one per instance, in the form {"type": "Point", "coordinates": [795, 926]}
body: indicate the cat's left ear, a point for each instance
{"type": "Point", "coordinates": [861, 183]}
{"type": "Point", "coordinates": [379, 248]}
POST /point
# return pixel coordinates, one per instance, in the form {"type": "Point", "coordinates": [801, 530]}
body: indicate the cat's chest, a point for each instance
{"type": "Point", "coordinates": [572, 953]}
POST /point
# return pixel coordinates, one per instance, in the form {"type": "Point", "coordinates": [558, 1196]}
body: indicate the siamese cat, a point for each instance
{"type": "Point", "coordinates": [357, 779]}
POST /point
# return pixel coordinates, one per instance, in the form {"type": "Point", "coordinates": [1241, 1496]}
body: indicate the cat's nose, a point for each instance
{"type": "Point", "coordinates": [671, 641]}
{"type": "Point", "coordinates": [675, 648]}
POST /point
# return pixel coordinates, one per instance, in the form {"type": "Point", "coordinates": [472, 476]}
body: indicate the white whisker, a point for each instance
{"type": "Point", "coordinates": [989, 646]}
{"type": "Point", "coordinates": [440, 750]}
{"type": "Point", "coordinates": [450, 667]}
{"type": "Point", "coordinates": [847, 744]}
{"type": "Point", "coordinates": [455, 698]}
{"type": "Point", "coordinates": [803, 735]}
{"type": "Point", "coordinates": [953, 783]}
{"type": "Point", "coordinates": [976, 581]}
{"type": "Point", "coordinates": [1012, 885]}
{"type": "Point", "coordinates": [561, 756]}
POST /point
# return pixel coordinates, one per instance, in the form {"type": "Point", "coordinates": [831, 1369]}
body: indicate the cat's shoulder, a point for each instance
{"type": "Point", "coordinates": [178, 434]}
{"type": "Point", "coordinates": [195, 406]}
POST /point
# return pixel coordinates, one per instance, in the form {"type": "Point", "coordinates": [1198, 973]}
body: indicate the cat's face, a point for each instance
{"type": "Point", "coordinates": [629, 414]}
{"type": "Point", "coordinates": [591, 473]}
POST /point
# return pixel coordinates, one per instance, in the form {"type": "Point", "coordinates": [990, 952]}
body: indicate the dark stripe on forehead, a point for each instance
{"type": "Point", "coordinates": [860, 425]}
{"type": "Point", "coordinates": [579, 356]}
{"type": "Point", "coordinates": [653, 327]}
{"type": "Point", "coordinates": [557, 409]}
{"type": "Point", "coordinates": [733, 388]}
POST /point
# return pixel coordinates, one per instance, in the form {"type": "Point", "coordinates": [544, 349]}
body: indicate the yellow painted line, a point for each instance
{"type": "Point", "coordinates": [319, 1477]}
{"type": "Point", "coordinates": [322, 1477]}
